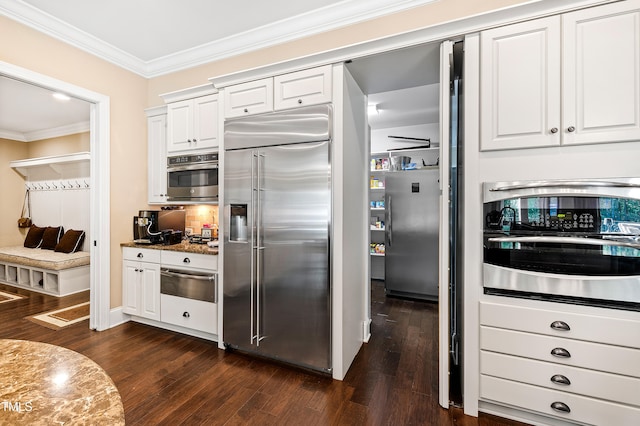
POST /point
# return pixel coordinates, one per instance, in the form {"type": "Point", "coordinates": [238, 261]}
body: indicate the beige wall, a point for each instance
{"type": "Point", "coordinates": [58, 146]}
{"type": "Point", "coordinates": [434, 13]}
{"type": "Point", "coordinates": [130, 94]}
{"type": "Point", "coordinates": [12, 192]}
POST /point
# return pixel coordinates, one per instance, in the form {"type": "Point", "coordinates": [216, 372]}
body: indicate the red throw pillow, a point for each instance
{"type": "Point", "coordinates": [70, 242]}
{"type": "Point", "coordinates": [51, 237]}
{"type": "Point", "coordinates": [34, 237]}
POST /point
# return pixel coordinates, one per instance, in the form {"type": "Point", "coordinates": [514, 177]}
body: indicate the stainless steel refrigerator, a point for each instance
{"type": "Point", "coordinates": [411, 233]}
{"type": "Point", "coordinates": [277, 211]}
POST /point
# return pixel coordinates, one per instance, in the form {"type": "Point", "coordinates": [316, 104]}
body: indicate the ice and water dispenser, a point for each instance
{"type": "Point", "coordinates": [238, 223]}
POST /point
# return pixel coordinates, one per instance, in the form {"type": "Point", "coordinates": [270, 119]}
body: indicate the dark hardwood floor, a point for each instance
{"type": "Point", "coordinates": [166, 378]}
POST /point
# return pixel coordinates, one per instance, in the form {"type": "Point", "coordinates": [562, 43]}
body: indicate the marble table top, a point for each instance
{"type": "Point", "coordinates": [50, 385]}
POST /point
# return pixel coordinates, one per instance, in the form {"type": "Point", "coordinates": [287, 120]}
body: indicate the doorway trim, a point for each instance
{"type": "Point", "coordinates": [99, 208]}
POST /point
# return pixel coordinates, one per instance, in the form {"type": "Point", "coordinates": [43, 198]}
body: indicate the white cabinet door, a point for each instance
{"type": "Point", "coordinates": [157, 166]}
{"type": "Point", "coordinates": [254, 97]}
{"type": "Point", "coordinates": [150, 291]}
{"type": "Point", "coordinates": [141, 289]}
{"type": "Point", "coordinates": [192, 124]}
{"type": "Point", "coordinates": [520, 85]}
{"type": "Point", "coordinates": [601, 74]}
{"type": "Point", "coordinates": [307, 87]}
{"type": "Point", "coordinates": [131, 287]}
{"type": "Point", "coordinates": [205, 122]}
{"type": "Point", "coordinates": [179, 125]}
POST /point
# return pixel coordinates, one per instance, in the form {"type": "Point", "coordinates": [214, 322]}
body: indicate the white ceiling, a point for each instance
{"type": "Point", "coordinates": [153, 37]}
{"type": "Point", "coordinates": [29, 113]}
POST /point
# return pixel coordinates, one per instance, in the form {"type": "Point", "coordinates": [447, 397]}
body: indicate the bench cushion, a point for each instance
{"type": "Point", "coordinates": [44, 259]}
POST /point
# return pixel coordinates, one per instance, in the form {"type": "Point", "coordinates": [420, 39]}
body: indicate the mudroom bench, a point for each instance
{"type": "Point", "coordinates": [45, 271]}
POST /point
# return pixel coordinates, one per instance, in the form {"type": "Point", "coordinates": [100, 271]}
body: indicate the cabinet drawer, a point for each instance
{"type": "Point", "coordinates": [612, 359]}
{"type": "Point", "coordinates": [584, 382]}
{"type": "Point", "coordinates": [582, 409]}
{"type": "Point", "coordinates": [183, 260]}
{"type": "Point", "coordinates": [141, 255]}
{"type": "Point", "coordinates": [189, 313]}
{"type": "Point", "coordinates": [589, 327]}
{"type": "Point", "coordinates": [308, 87]}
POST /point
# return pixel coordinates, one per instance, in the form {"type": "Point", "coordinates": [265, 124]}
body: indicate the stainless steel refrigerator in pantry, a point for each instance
{"type": "Point", "coordinates": [277, 210]}
{"type": "Point", "coordinates": [411, 234]}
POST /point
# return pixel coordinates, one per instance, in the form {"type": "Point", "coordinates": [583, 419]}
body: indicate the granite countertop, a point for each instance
{"type": "Point", "coordinates": [183, 246]}
{"type": "Point", "coordinates": [47, 384]}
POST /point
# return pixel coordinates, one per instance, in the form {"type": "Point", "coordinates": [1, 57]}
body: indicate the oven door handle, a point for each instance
{"type": "Point", "coordinates": [564, 240]}
{"type": "Point", "coordinates": [564, 184]}
{"type": "Point", "coordinates": [200, 166]}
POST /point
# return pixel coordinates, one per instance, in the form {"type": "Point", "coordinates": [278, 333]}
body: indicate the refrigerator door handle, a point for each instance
{"type": "Point", "coordinates": [253, 283]}
{"type": "Point", "coordinates": [389, 222]}
{"type": "Point", "coordinates": [259, 246]}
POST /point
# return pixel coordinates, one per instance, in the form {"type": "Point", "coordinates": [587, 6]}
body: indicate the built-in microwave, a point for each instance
{"type": "Point", "coordinates": [574, 241]}
{"type": "Point", "coordinates": [192, 178]}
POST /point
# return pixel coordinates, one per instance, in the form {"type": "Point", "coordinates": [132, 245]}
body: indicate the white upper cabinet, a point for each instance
{"type": "Point", "coordinates": [157, 157]}
{"type": "Point", "coordinates": [192, 124]}
{"type": "Point", "coordinates": [520, 85]}
{"type": "Point", "coordinates": [601, 74]}
{"type": "Point", "coordinates": [307, 87]}
{"type": "Point", "coordinates": [254, 97]}
{"type": "Point", "coordinates": [569, 79]}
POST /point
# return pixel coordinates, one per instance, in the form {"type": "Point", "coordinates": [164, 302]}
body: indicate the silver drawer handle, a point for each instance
{"type": "Point", "coordinates": [187, 260]}
{"type": "Point", "coordinates": [560, 325]}
{"type": "Point", "coordinates": [560, 353]}
{"type": "Point", "coordinates": [560, 406]}
{"type": "Point", "coordinates": [186, 315]}
{"type": "Point", "coordinates": [560, 379]}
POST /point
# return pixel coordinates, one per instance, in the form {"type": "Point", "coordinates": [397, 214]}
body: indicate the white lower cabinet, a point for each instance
{"type": "Point", "coordinates": [141, 283]}
{"type": "Point", "coordinates": [141, 290]}
{"type": "Point", "coordinates": [573, 363]}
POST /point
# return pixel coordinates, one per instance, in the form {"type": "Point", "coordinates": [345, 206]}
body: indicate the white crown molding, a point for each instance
{"type": "Point", "coordinates": [69, 129]}
{"type": "Point", "coordinates": [54, 27]}
{"type": "Point", "coordinates": [12, 136]}
{"type": "Point", "coordinates": [56, 132]}
{"type": "Point", "coordinates": [335, 16]}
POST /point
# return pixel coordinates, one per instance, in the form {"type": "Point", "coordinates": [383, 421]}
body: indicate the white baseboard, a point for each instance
{"type": "Point", "coordinates": [366, 330]}
{"type": "Point", "coordinates": [117, 317]}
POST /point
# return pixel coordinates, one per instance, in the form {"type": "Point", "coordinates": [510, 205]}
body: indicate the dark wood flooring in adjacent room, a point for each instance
{"type": "Point", "coordinates": [166, 378]}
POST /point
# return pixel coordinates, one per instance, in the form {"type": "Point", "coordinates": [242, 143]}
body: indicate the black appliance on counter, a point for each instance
{"type": "Point", "coordinates": [159, 226]}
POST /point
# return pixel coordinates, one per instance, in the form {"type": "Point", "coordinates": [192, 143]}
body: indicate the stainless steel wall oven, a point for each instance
{"type": "Point", "coordinates": [574, 241]}
{"type": "Point", "coordinates": [192, 178]}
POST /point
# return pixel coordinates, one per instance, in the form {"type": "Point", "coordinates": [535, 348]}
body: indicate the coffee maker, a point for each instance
{"type": "Point", "coordinates": [145, 227]}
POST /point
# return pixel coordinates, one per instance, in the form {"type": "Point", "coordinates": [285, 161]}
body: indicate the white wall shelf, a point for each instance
{"type": "Point", "coordinates": [54, 167]}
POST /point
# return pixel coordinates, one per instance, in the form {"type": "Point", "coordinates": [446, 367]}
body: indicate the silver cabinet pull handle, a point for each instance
{"type": "Point", "coordinates": [140, 256]}
{"type": "Point", "coordinates": [186, 315]}
{"type": "Point", "coordinates": [299, 101]}
{"type": "Point", "coordinates": [560, 325]}
{"type": "Point", "coordinates": [560, 406]}
{"type": "Point", "coordinates": [560, 353]}
{"type": "Point", "coordinates": [571, 129]}
{"type": "Point", "coordinates": [187, 260]}
{"type": "Point", "coordinates": [246, 110]}
{"type": "Point", "coordinates": [560, 379]}
{"type": "Point", "coordinates": [554, 130]}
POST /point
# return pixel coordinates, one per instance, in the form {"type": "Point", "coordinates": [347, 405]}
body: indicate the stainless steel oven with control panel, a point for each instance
{"type": "Point", "coordinates": [574, 241]}
{"type": "Point", "coordinates": [192, 178]}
